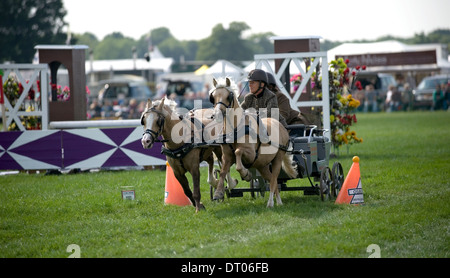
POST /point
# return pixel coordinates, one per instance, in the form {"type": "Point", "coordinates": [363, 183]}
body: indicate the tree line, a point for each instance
{"type": "Point", "coordinates": [223, 43]}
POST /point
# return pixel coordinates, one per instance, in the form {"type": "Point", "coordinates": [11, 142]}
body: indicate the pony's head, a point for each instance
{"type": "Point", "coordinates": [153, 120]}
{"type": "Point", "coordinates": [224, 95]}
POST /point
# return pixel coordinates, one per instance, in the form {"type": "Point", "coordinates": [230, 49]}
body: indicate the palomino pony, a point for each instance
{"type": "Point", "coordinates": [182, 154]}
{"type": "Point", "coordinates": [267, 156]}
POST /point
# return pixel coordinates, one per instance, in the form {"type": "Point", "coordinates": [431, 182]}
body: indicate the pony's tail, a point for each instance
{"type": "Point", "coordinates": [288, 166]}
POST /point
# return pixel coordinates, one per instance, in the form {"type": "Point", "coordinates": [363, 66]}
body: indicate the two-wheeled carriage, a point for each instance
{"type": "Point", "coordinates": [311, 150]}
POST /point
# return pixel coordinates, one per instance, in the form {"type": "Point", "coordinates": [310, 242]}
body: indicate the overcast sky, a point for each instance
{"type": "Point", "coordinates": [194, 19]}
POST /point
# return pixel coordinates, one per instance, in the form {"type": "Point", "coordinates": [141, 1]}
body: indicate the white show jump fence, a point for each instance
{"type": "Point", "coordinates": [38, 72]}
{"type": "Point", "coordinates": [297, 59]}
{"type": "Point", "coordinates": [66, 144]}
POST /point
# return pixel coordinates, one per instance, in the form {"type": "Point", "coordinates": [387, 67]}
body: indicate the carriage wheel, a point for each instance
{"type": "Point", "coordinates": [338, 179]}
{"type": "Point", "coordinates": [325, 183]}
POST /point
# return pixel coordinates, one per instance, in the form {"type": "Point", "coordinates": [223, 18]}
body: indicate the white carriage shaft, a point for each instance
{"type": "Point", "coordinates": [297, 58]}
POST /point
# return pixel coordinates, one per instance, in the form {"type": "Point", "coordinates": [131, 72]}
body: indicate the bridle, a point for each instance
{"type": "Point", "coordinates": [230, 97]}
{"type": "Point", "coordinates": [160, 123]}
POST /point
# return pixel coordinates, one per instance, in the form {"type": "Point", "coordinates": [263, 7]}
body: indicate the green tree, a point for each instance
{"type": "Point", "coordinates": [225, 44]}
{"type": "Point", "coordinates": [86, 38]}
{"type": "Point", "coordinates": [114, 46]}
{"type": "Point", "coordinates": [167, 44]}
{"type": "Point", "coordinates": [27, 23]}
{"type": "Point", "coordinates": [261, 43]}
{"type": "Point", "coordinates": [160, 34]}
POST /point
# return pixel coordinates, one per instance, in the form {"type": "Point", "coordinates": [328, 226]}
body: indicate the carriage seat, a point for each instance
{"type": "Point", "coordinates": [297, 130]}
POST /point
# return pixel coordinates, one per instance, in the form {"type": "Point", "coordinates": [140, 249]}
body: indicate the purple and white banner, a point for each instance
{"type": "Point", "coordinates": [76, 148]}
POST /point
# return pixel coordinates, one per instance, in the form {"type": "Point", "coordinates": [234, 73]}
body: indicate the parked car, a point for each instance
{"type": "Point", "coordinates": [423, 94]}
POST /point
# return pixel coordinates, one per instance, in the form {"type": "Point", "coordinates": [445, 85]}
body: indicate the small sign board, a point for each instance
{"type": "Point", "coordinates": [128, 193]}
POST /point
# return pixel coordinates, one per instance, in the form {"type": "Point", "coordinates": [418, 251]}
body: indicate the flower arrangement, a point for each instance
{"type": "Point", "coordinates": [296, 80]}
{"type": "Point", "coordinates": [62, 94]}
{"type": "Point", "coordinates": [342, 103]}
{"type": "Point", "coordinates": [13, 90]}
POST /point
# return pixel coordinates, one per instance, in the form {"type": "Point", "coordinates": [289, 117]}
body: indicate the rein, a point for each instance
{"type": "Point", "coordinates": [180, 152]}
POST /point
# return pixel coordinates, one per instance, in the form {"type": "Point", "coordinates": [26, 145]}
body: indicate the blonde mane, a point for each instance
{"type": "Point", "coordinates": [172, 104]}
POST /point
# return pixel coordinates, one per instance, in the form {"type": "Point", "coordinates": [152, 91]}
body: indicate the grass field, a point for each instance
{"type": "Point", "coordinates": [405, 173]}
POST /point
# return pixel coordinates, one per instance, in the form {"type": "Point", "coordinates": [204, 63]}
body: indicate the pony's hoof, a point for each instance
{"type": "Point", "coordinates": [248, 177]}
{"type": "Point", "coordinates": [218, 195]}
{"type": "Point", "coordinates": [200, 207]}
{"type": "Point", "coordinates": [233, 184]}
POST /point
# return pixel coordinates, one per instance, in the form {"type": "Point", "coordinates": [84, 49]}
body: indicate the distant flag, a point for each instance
{"type": "Point", "coordinates": [36, 57]}
{"type": "Point", "coordinates": [69, 35]}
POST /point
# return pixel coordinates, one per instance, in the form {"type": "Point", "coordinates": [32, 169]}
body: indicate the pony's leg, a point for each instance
{"type": "Point", "coordinates": [226, 164]}
{"type": "Point", "coordinates": [272, 177]}
{"type": "Point", "coordinates": [211, 178]}
{"type": "Point", "coordinates": [231, 182]}
{"type": "Point", "coordinates": [276, 168]}
{"type": "Point", "coordinates": [185, 185]}
{"type": "Point", "coordinates": [267, 175]}
{"type": "Point", "coordinates": [244, 172]}
{"type": "Point", "coordinates": [196, 184]}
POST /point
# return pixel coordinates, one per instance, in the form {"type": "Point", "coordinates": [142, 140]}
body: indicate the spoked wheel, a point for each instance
{"type": "Point", "coordinates": [326, 182]}
{"type": "Point", "coordinates": [338, 179]}
{"type": "Point", "coordinates": [258, 187]}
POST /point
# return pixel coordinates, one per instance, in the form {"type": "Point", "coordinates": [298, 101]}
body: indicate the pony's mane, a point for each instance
{"type": "Point", "coordinates": [172, 104]}
{"type": "Point", "coordinates": [222, 83]}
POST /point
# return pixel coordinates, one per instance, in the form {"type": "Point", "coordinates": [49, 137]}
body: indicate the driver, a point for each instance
{"type": "Point", "coordinates": [260, 96]}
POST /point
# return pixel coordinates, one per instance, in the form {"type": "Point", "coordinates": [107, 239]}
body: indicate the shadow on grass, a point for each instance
{"type": "Point", "coordinates": [295, 205]}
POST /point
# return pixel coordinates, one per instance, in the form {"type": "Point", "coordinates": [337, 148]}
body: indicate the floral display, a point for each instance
{"type": "Point", "coordinates": [62, 94]}
{"type": "Point", "coordinates": [13, 90]}
{"type": "Point", "coordinates": [342, 104]}
{"type": "Point", "coordinates": [296, 80]}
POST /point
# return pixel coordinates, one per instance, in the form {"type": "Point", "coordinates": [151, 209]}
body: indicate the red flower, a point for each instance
{"type": "Point", "coordinates": [357, 67]}
{"type": "Point", "coordinates": [31, 94]}
{"type": "Point", "coordinates": [353, 73]}
{"type": "Point", "coordinates": [347, 61]}
{"type": "Point", "coordinates": [364, 67]}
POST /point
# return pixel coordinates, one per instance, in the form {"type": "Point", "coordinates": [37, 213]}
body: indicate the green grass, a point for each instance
{"type": "Point", "coordinates": [404, 161]}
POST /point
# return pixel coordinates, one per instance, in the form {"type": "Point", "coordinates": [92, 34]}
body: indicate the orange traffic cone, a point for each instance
{"type": "Point", "coordinates": [174, 193]}
{"type": "Point", "coordinates": [351, 191]}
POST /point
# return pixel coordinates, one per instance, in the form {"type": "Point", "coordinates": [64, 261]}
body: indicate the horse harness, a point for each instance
{"type": "Point", "coordinates": [230, 97]}
{"type": "Point", "coordinates": [182, 151]}
{"type": "Point", "coordinates": [251, 132]}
